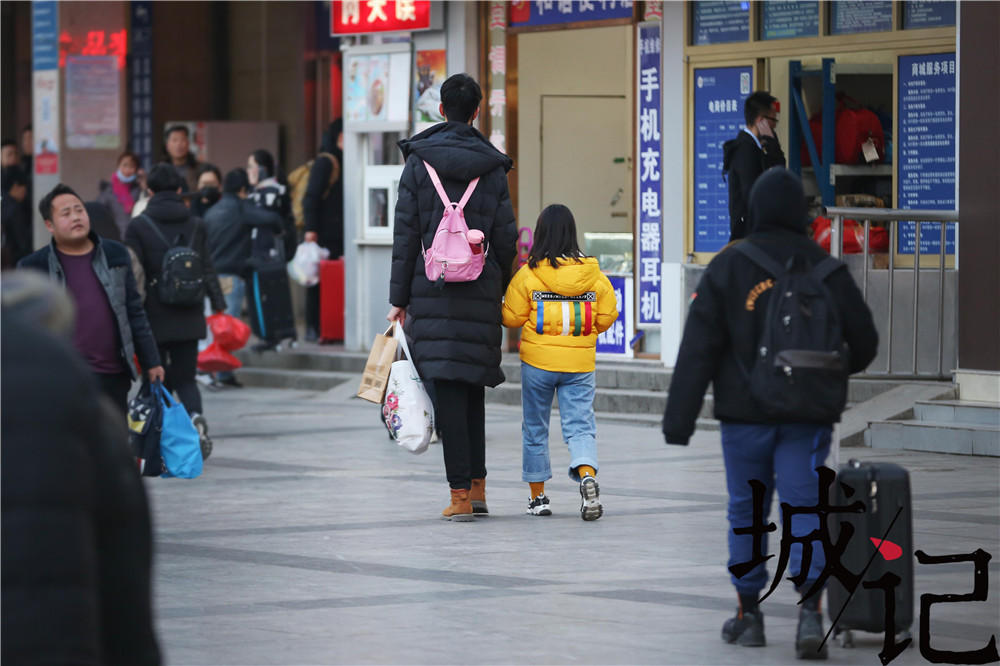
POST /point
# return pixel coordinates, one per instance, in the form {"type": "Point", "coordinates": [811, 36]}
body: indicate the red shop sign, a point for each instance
{"type": "Point", "coordinates": [353, 17]}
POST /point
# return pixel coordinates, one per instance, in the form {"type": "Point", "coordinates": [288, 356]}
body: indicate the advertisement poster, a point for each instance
{"type": "Point", "coordinates": [378, 88]}
{"type": "Point", "coordinates": [926, 147]}
{"type": "Point", "coordinates": [648, 186]}
{"type": "Point", "coordinates": [355, 87]}
{"type": "Point", "coordinates": [719, 95]}
{"type": "Point", "coordinates": [615, 340]}
{"type": "Point", "coordinates": [92, 102]}
{"type": "Point", "coordinates": [377, 91]}
{"type": "Point", "coordinates": [429, 73]}
{"type": "Point", "coordinates": [45, 62]}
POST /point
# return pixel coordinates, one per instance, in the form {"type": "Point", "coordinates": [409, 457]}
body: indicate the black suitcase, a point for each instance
{"type": "Point", "coordinates": [269, 293]}
{"type": "Point", "coordinates": [884, 488]}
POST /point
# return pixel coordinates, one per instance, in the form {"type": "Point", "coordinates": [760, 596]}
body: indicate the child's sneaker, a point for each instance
{"type": "Point", "coordinates": [539, 506]}
{"type": "Point", "coordinates": [590, 503]}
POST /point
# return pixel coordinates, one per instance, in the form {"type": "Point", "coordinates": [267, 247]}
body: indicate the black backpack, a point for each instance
{"type": "Point", "coordinates": [800, 368]}
{"type": "Point", "coordinates": [182, 274]}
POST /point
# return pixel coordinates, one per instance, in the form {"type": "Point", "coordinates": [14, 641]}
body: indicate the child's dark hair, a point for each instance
{"type": "Point", "coordinates": [555, 237]}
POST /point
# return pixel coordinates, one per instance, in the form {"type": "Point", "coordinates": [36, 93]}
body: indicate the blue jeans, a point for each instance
{"type": "Point", "coordinates": [234, 305]}
{"type": "Point", "coordinates": [783, 456]}
{"type": "Point", "coordinates": [576, 411]}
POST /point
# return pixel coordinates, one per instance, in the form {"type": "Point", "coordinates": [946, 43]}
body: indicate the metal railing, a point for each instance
{"type": "Point", "coordinates": [893, 216]}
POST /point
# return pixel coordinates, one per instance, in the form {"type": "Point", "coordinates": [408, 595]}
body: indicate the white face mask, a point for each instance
{"type": "Point", "coordinates": [125, 179]}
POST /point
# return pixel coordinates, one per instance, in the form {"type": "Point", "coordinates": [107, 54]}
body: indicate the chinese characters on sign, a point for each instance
{"type": "Point", "coordinates": [928, 13]}
{"type": "Point", "coordinates": [720, 21]}
{"type": "Point", "coordinates": [141, 84]}
{"type": "Point", "coordinates": [352, 17]}
{"type": "Point", "coordinates": [648, 184]}
{"type": "Point", "coordinates": [45, 97]}
{"type": "Point", "coordinates": [784, 20]}
{"type": "Point", "coordinates": [549, 12]}
{"type": "Point", "coordinates": [616, 339]}
{"type": "Point", "coordinates": [852, 16]}
{"type": "Point", "coordinates": [498, 75]}
{"type": "Point", "coordinates": [926, 146]}
{"type": "Point", "coordinates": [719, 95]}
{"type": "Point", "coordinates": [92, 102]}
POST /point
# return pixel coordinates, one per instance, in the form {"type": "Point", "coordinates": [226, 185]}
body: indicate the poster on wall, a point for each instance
{"type": "Point", "coordinates": [525, 13]}
{"type": "Point", "coordinates": [926, 147]}
{"type": "Point", "coordinates": [719, 22]}
{"type": "Point", "coordinates": [92, 102]}
{"type": "Point", "coordinates": [615, 340]}
{"type": "Point", "coordinates": [848, 17]}
{"type": "Point", "coordinates": [719, 95]}
{"type": "Point", "coordinates": [45, 77]}
{"type": "Point", "coordinates": [648, 179]}
{"type": "Point", "coordinates": [928, 13]}
{"type": "Point", "coordinates": [377, 91]}
{"type": "Point", "coordinates": [785, 20]}
{"type": "Point", "coordinates": [430, 71]}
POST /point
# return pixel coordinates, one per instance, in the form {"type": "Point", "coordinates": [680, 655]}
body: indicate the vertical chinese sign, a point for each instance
{"type": "Point", "coordinates": [616, 339]}
{"type": "Point", "coordinates": [648, 182]}
{"type": "Point", "coordinates": [45, 66]}
{"type": "Point", "coordinates": [498, 75]}
{"type": "Point", "coordinates": [141, 82]}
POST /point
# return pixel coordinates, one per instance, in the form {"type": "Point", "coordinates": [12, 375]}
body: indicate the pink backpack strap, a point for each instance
{"type": "Point", "coordinates": [444, 195]}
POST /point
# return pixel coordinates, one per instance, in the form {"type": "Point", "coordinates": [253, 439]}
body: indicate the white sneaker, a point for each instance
{"type": "Point", "coordinates": [590, 503]}
{"type": "Point", "coordinates": [539, 506]}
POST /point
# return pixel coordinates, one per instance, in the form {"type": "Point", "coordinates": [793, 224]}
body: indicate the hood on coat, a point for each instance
{"type": "Point", "coordinates": [729, 147]}
{"type": "Point", "coordinates": [777, 201]}
{"type": "Point", "coordinates": [456, 151]}
{"type": "Point", "coordinates": [571, 278]}
{"type": "Point", "coordinates": [168, 208]}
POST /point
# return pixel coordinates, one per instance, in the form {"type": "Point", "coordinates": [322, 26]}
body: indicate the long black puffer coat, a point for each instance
{"type": "Point", "coordinates": [455, 328]}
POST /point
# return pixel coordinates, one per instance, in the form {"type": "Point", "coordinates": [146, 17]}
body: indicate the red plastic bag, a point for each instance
{"type": "Point", "coordinates": [228, 332]}
{"type": "Point", "coordinates": [854, 236]}
{"type": "Point", "coordinates": [216, 359]}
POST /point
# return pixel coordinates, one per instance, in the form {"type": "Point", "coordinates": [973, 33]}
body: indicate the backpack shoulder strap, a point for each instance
{"type": "Point", "coordinates": [825, 268]}
{"type": "Point", "coordinates": [759, 257]}
{"type": "Point", "coordinates": [444, 195]}
{"type": "Point", "coordinates": [156, 229]}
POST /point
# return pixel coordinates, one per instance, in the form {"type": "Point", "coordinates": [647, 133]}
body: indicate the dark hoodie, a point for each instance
{"type": "Point", "coordinates": [172, 323]}
{"type": "Point", "coordinates": [455, 327]}
{"type": "Point", "coordinates": [323, 202]}
{"type": "Point", "coordinates": [742, 164]}
{"type": "Point", "coordinates": [727, 313]}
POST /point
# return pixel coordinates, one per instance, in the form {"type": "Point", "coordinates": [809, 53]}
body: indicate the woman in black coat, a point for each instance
{"type": "Point", "coordinates": [177, 328]}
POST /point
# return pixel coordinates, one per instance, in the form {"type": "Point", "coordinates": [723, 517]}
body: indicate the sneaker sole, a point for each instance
{"type": "Point", "coordinates": [206, 448]}
{"type": "Point", "coordinates": [539, 512]}
{"type": "Point", "coordinates": [591, 508]}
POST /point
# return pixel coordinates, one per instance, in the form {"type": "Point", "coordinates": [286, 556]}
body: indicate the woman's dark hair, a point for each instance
{"type": "Point", "coordinates": [264, 160]}
{"type": "Point", "coordinates": [205, 168]}
{"type": "Point", "coordinates": [555, 237]}
{"type": "Point", "coordinates": [132, 156]}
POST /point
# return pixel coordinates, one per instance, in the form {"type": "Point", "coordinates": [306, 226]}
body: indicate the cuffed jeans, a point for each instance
{"type": "Point", "coordinates": [576, 412]}
{"type": "Point", "coordinates": [784, 456]}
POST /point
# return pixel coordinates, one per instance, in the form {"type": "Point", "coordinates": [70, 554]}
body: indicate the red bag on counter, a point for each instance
{"type": "Point", "coordinates": [854, 236]}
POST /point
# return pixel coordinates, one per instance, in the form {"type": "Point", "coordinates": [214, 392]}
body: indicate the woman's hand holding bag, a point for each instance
{"type": "Point", "coordinates": [407, 411]}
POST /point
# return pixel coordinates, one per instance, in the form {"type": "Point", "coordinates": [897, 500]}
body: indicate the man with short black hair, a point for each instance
{"type": "Point", "coordinates": [177, 146]}
{"type": "Point", "coordinates": [455, 326]}
{"type": "Point", "coordinates": [165, 223]}
{"type": "Point", "coordinates": [754, 150]}
{"type": "Point", "coordinates": [112, 325]}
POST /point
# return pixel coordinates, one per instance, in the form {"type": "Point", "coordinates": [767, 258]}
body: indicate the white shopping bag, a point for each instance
{"type": "Point", "coordinates": [304, 266]}
{"type": "Point", "coordinates": [407, 410]}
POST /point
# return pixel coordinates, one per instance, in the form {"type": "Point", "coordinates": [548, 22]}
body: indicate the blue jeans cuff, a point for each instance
{"type": "Point", "coordinates": [576, 462]}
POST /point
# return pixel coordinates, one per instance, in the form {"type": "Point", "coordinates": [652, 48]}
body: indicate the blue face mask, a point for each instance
{"type": "Point", "coordinates": [125, 179]}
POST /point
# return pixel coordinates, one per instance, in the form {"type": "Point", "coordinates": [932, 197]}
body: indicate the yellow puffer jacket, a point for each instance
{"type": "Point", "coordinates": [562, 311]}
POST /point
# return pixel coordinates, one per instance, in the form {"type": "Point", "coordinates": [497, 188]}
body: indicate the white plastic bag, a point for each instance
{"type": "Point", "coordinates": [304, 266]}
{"type": "Point", "coordinates": [407, 410]}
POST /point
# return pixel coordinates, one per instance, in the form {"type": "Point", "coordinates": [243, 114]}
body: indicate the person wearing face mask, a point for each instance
{"type": "Point", "coordinates": [120, 193]}
{"type": "Point", "coordinates": [209, 189]}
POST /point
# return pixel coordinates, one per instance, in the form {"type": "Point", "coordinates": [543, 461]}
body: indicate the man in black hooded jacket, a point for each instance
{"type": "Point", "coordinates": [744, 158]}
{"type": "Point", "coordinates": [455, 326]}
{"type": "Point", "coordinates": [725, 322]}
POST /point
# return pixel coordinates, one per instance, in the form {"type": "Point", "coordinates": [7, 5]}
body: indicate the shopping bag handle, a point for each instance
{"type": "Point", "coordinates": [401, 339]}
{"type": "Point", "coordinates": [164, 394]}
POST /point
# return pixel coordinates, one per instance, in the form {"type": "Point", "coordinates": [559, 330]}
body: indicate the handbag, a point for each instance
{"type": "Point", "coordinates": [180, 445]}
{"type": "Point", "coordinates": [376, 373]}
{"type": "Point", "coordinates": [145, 425]}
{"type": "Point", "coordinates": [407, 411]}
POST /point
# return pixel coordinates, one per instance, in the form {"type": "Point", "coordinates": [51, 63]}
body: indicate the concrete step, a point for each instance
{"type": "Point", "coordinates": [630, 402]}
{"type": "Point", "coordinates": [962, 411]}
{"type": "Point", "coordinates": [308, 380]}
{"type": "Point", "coordinates": [305, 359]}
{"type": "Point", "coordinates": [938, 436]}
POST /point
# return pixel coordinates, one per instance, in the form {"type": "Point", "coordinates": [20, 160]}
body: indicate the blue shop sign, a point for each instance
{"type": "Point", "coordinates": [848, 17]}
{"type": "Point", "coordinates": [44, 35]}
{"type": "Point", "coordinates": [785, 20]}
{"type": "Point", "coordinates": [928, 14]}
{"type": "Point", "coordinates": [554, 12]}
{"type": "Point", "coordinates": [719, 22]}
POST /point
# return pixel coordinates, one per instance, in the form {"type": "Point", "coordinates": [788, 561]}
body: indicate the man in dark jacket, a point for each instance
{"type": "Point", "coordinates": [77, 543]}
{"type": "Point", "coordinates": [323, 208]}
{"type": "Point", "coordinates": [112, 326]}
{"type": "Point", "coordinates": [15, 213]}
{"type": "Point", "coordinates": [455, 326]}
{"type": "Point", "coordinates": [177, 327]}
{"type": "Point", "coordinates": [754, 150]}
{"type": "Point", "coordinates": [724, 326]}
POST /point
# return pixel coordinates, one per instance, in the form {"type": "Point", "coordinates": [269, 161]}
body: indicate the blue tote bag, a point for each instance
{"type": "Point", "coordinates": [179, 442]}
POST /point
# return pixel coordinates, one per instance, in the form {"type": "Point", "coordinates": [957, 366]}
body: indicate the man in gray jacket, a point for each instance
{"type": "Point", "coordinates": [111, 326]}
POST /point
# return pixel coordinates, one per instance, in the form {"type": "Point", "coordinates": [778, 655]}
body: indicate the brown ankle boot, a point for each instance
{"type": "Point", "coordinates": [478, 497]}
{"type": "Point", "coordinates": [460, 509]}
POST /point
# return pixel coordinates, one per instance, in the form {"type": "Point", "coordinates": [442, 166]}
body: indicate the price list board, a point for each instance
{"type": "Point", "coordinates": [720, 22]}
{"type": "Point", "coordinates": [848, 17]}
{"type": "Point", "coordinates": [785, 20]}
{"type": "Point", "coordinates": [926, 147]}
{"type": "Point", "coordinates": [928, 13]}
{"type": "Point", "coordinates": [719, 95]}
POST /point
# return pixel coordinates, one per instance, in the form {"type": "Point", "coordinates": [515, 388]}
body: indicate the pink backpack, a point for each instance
{"type": "Point", "coordinates": [455, 255]}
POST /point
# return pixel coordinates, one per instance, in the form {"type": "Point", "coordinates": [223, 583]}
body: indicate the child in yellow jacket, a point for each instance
{"type": "Point", "coordinates": [562, 301]}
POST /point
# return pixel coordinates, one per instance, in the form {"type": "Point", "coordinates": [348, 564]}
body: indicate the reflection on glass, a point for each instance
{"type": "Point", "coordinates": [378, 207]}
{"type": "Point", "coordinates": [614, 251]}
{"type": "Point", "coordinates": [383, 149]}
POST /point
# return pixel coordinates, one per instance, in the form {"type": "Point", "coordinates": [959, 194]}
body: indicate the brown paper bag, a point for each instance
{"type": "Point", "coordinates": [376, 374]}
